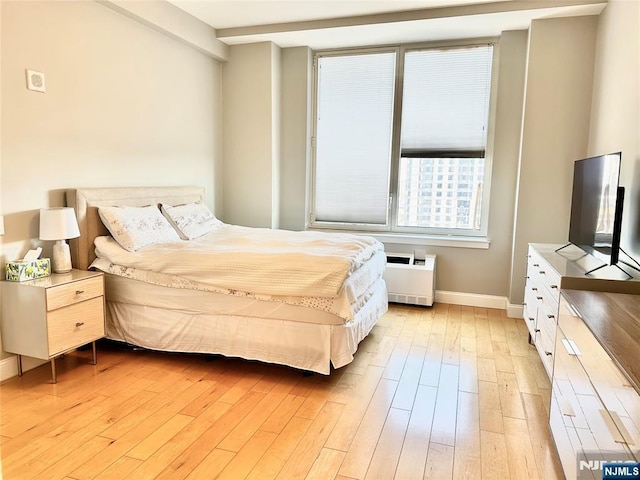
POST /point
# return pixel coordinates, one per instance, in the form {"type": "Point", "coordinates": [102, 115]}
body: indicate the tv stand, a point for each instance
{"type": "Point", "coordinates": [591, 270]}
{"type": "Point", "coordinates": [588, 272]}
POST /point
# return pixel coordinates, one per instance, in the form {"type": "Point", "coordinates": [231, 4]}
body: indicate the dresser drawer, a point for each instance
{"type": "Point", "coordinates": [75, 325]}
{"type": "Point", "coordinates": [613, 388]}
{"type": "Point", "coordinates": [74, 292]}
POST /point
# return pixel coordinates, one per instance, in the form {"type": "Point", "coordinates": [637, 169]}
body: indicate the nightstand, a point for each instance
{"type": "Point", "coordinates": [47, 317]}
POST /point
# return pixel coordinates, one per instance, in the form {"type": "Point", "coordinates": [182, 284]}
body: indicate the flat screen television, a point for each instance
{"type": "Point", "coordinates": [596, 207]}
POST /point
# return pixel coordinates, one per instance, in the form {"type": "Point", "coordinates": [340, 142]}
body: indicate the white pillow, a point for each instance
{"type": "Point", "coordinates": [192, 220]}
{"type": "Point", "coordinates": [137, 227]}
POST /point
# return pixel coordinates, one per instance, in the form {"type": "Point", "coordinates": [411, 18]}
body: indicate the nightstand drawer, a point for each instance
{"type": "Point", "coordinates": [74, 292]}
{"type": "Point", "coordinates": [75, 325]}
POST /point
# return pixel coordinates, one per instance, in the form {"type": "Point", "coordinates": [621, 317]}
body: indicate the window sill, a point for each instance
{"type": "Point", "coordinates": [417, 239]}
{"type": "Point", "coordinates": [433, 240]}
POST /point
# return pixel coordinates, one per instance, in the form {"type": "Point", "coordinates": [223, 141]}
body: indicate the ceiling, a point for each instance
{"type": "Point", "coordinates": [323, 24]}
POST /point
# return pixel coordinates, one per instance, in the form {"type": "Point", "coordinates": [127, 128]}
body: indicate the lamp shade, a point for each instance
{"type": "Point", "coordinates": [58, 223]}
{"type": "Point", "coordinates": [1, 224]}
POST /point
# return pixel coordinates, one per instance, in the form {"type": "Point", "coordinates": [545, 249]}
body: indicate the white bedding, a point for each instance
{"type": "Point", "coordinates": [255, 260]}
{"type": "Point", "coordinates": [185, 265]}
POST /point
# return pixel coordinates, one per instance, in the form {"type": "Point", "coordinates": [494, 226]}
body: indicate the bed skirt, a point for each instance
{"type": "Point", "coordinates": [295, 336]}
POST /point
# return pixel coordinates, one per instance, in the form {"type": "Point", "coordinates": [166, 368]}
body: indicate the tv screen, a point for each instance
{"type": "Point", "coordinates": [596, 206]}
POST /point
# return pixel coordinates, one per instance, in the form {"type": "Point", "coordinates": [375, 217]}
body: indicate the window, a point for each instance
{"type": "Point", "coordinates": [395, 131]}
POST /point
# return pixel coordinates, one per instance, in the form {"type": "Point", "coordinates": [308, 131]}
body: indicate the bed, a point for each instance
{"type": "Point", "coordinates": [191, 311]}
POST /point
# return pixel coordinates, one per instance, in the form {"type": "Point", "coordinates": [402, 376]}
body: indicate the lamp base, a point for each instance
{"type": "Point", "coordinates": [61, 259]}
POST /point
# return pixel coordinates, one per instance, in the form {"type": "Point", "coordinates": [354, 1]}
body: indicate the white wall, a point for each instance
{"type": "Point", "coordinates": [251, 129]}
{"type": "Point", "coordinates": [615, 111]}
{"type": "Point", "coordinates": [125, 105]}
{"type": "Point", "coordinates": [555, 129]}
{"type": "Point", "coordinates": [295, 135]}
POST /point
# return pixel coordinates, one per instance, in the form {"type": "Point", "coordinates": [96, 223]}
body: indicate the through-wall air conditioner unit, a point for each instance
{"type": "Point", "coordinates": [409, 279]}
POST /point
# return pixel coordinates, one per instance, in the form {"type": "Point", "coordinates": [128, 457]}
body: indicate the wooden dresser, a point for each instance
{"type": "Point", "coordinates": [549, 271]}
{"type": "Point", "coordinates": [595, 403]}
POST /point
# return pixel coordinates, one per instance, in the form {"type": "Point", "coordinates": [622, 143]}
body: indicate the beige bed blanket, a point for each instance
{"type": "Point", "coordinates": [254, 260]}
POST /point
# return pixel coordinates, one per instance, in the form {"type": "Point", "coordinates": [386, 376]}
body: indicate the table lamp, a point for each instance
{"type": "Point", "coordinates": [59, 224]}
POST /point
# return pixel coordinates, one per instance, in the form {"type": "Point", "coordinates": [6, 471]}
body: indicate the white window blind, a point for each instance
{"type": "Point", "coordinates": [446, 100]}
{"type": "Point", "coordinates": [354, 120]}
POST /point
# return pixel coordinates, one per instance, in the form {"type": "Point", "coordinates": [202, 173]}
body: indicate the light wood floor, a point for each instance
{"type": "Point", "coordinates": [442, 392]}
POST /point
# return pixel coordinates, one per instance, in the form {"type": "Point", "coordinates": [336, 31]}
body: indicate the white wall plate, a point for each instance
{"type": "Point", "coordinates": [35, 81]}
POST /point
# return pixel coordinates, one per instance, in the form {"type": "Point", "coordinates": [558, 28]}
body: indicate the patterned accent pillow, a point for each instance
{"type": "Point", "coordinates": [192, 220]}
{"type": "Point", "coordinates": [137, 227]}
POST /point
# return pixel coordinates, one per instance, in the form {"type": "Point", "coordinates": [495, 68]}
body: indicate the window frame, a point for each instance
{"type": "Point", "coordinates": [391, 227]}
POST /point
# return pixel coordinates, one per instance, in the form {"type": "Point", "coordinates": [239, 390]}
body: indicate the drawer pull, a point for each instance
{"type": "Point", "coordinates": [571, 347]}
{"type": "Point", "coordinates": [542, 272]}
{"type": "Point", "coordinates": [537, 330]}
{"type": "Point", "coordinates": [79, 324]}
{"type": "Point", "coordinates": [566, 408]}
{"type": "Point", "coordinates": [531, 319]}
{"type": "Point", "coordinates": [548, 354]}
{"type": "Point", "coordinates": [539, 298]}
{"type": "Point", "coordinates": [536, 264]}
{"type": "Point", "coordinates": [535, 289]}
{"type": "Point", "coordinates": [79, 292]}
{"type": "Point", "coordinates": [611, 426]}
{"type": "Point", "coordinates": [554, 286]}
{"type": "Point", "coordinates": [551, 315]}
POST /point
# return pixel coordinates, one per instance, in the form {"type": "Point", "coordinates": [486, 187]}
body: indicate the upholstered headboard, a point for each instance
{"type": "Point", "coordinates": [86, 202]}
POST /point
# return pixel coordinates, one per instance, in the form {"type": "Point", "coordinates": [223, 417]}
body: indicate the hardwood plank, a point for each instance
{"type": "Point", "coordinates": [493, 449]}
{"type": "Point", "coordinates": [546, 455]}
{"type": "Point", "coordinates": [490, 407]}
{"type": "Point", "coordinates": [395, 363]}
{"type": "Point", "coordinates": [155, 440]}
{"type": "Point", "coordinates": [342, 436]}
{"type": "Point", "coordinates": [166, 454]}
{"type": "Point", "coordinates": [413, 457]}
{"type": "Point", "coordinates": [439, 462]}
{"type": "Point", "coordinates": [280, 450]}
{"type": "Point", "coordinates": [385, 456]}
{"type": "Point", "coordinates": [326, 465]}
{"type": "Point", "coordinates": [408, 382]}
{"type": "Point", "coordinates": [468, 381]}
{"type": "Point", "coordinates": [451, 347]}
{"type": "Point", "coordinates": [250, 424]}
{"type": "Point", "coordinates": [433, 360]}
{"type": "Point", "coordinates": [280, 417]}
{"type": "Point", "coordinates": [510, 400]}
{"type": "Point", "coordinates": [212, 466]}
{"type": "Point", "coordinates": [359, 455]}
{"type": "Point", "coordinates": [502, 356]}
{"type": "Point", "coordinates": [311, 443]}
{"type": "Point", "coordinates": [119, 469]}
{"type": "Point", "coordinates": [69, 462]}
{"type": "Point", "coordinates": [522, 462]}
{"type": "Point", "coordinates": [244, 461]}
{"type": "Point", "coordinates": [443, 430]}
{"type": "Point", "coordinates": [467, 461]}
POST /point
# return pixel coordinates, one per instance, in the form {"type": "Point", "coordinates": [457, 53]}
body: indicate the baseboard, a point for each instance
{"type": "Point", "coordinates": [471, 299]}
{"type": "Point", "coordinates": [9, 366]}
{"type": "Point", "coordinates": [514, 311]}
